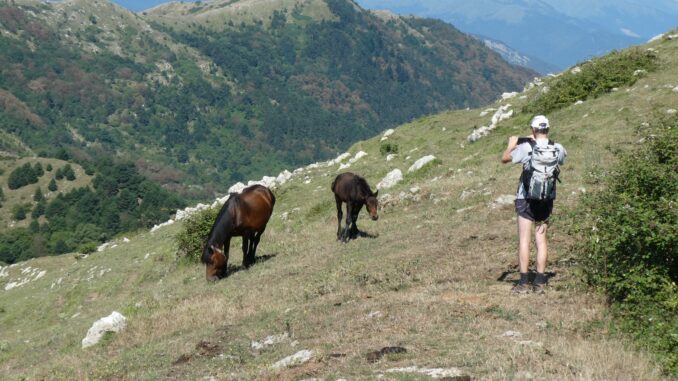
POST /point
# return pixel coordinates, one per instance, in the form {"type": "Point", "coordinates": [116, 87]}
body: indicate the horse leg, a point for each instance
{"type": "Point", "coordinates": [354, 220]}
{"type": "Point", "coordinates": [245, 250]}
{"type": "Point", "coordinates": [347, 234]}
{"type": "Point", "coordinates": [255, 244]}
{"type": "Point", "coordinates": [340, 215]}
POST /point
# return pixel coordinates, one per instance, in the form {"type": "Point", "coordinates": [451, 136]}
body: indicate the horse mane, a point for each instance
{"type": "Point", "coordinates": [362, 186]}
{"type": "Point", "coordinates": [234, 199]}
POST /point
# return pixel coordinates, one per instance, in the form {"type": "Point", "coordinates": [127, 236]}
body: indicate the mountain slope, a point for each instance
{"type": "Point", "coordinates": [434, 277]}
{"type": "Point", "coordinates": [280, 84]}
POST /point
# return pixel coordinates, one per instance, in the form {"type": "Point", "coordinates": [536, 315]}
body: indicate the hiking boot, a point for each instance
{"type": "Point", "coordinates": [539, 288]}
{"type": "Point", "coordinates": [521, 289]}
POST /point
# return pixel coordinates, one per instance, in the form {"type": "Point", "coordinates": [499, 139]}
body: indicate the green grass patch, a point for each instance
{"type": "Point", "coordinates": [596, 78]}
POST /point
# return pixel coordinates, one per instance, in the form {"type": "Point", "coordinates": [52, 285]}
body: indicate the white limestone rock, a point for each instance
{"type": "Point", "coordinates": [391, 179]}
{"type": "Point", "coordinates": [283, 177]}
{"type": "Point", "coordinates": [298, 358]}
{"type": "Point", "coordinates": [435, 373]}
{"type": "Point", "coordinates": [421, 163]}
{"type": "Point", "coordinates": [268, 341]}
{"type": "Point", "coordinates": [656, 38]}
{"type": "Point", "coordinates": [357, 157]}
{"type": "Point", "coordinates": [388, 132]}
{"type": "Point", "coordinates": [505, 96]}
{"type": "Point", "coordinates": [115, 322]}
{"type": "Point", "coordinates": [237, 188]}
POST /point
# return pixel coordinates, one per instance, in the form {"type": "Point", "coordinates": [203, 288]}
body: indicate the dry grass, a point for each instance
{"type": "Point", "coordinates": [435, 280]}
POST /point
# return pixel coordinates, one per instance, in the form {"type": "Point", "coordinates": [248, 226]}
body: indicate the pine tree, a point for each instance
{"type": "Point", "coordinates": [68, 172]}
{"type": "Point", "coordinates": [37, 196]}
{"type": "Point", "coordinates": [52, 185]}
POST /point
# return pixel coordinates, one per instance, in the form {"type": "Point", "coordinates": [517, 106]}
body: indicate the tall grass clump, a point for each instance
{"type": "Point", "coordinates": [597, 77]}
{"type": "Point", "coordinates": [628, 240]}
{"type": "Point", "coordinates": [194, 230]}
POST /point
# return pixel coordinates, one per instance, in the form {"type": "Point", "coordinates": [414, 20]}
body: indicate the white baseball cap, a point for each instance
{"type": "Point", "coordinates": [540, 122]}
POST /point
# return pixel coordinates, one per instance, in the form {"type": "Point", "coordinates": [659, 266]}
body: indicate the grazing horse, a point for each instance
{"type": "Point", "coordinates": [354, 191]}
{"type": "Point", "coordinates": [243, 215]}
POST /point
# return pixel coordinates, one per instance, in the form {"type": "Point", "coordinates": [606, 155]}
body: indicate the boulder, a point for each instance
{"type": "Point", "coordinates": [298, 358]}
{"type": "Point", "coordinates": [421, 163]}
{"type": "Point", "coordinates": [358, 156]}
{"type": "Point", "coordinates": [237, 188]}
{"type": "Point", "coordinates": [391, 179]}
{"type": "Point", "coordinates": [114, 322]}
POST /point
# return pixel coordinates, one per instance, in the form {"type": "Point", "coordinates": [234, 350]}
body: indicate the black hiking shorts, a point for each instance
{"type": "Point", "coordinates": [536, 211]}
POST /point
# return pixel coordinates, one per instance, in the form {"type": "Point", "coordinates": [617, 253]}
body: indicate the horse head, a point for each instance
{"type": "Point", "coordinates": [372, 205]}
{"type": "Point", "coordinates": [215, 261]}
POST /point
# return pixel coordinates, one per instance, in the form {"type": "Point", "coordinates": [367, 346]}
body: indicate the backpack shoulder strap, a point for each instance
{"type": "Point", "coordinates": [532, 143]}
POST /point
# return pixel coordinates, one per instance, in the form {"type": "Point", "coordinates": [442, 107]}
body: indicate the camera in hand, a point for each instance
{"type": "Point", "coordinates": [523, 140]}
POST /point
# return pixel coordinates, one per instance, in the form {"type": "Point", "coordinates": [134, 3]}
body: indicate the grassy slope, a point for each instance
{"type": "Point", "coordinates": [24, 195]}
{"type": "Point", "coordinates": [432, 273]}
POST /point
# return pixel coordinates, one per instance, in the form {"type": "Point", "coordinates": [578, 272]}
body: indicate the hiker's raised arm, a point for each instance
{"type": "Point", "coordinates": [512, 143]}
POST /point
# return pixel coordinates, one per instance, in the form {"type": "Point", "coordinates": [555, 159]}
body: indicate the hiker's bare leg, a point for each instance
{"type": "Point", "coordinates": [542, 247]}
{"type": "Point", "coordinates": [524, 238]}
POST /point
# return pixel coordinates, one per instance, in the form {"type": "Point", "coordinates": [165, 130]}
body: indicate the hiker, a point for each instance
{"type": "Point", "coordinates": [540, 158]}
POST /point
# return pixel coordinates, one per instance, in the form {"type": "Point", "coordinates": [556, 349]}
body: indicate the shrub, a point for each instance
{"type": "Point", "coordinates": [68, 172]}
{"type": "Point", "coordinates": [628, 234]}
{"type": "Point", "coordinates": [22, 176]}
{"type": "Point", "coordinates": [38, 169]}
{"type": "Point", "coordinates": [37, 196]}
{"type": "Point", "coordinates": [191, 239]}
{"type": "Point", "coordinates": [19, 212]}
{"type": "Point", "coordinates": [387, 147]}
{"type": "Point", "coordinates": [88, 248]}
{"type": "Point", "coordinates": [596, 78]}
{"type": "Point", "coordinates": [49, 168]}
{"type": "Point", "coordinates": [52, 186]}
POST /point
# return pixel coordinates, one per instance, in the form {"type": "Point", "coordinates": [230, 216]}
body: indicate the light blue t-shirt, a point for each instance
{"type": "Point", "coordinates": [521, 154]}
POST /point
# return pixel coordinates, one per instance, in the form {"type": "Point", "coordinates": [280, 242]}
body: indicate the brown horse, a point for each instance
{"type": "Point", "coordinates": [243, 215]}
{"type": "Point", "coordinates": [354, 191]}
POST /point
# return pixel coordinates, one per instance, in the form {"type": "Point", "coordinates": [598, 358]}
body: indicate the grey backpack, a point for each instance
{"type": "Point", "coordinates": [541, 172]}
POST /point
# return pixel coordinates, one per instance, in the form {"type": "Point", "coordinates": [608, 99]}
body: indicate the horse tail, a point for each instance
{"type": "Point", "coordinates": [334, 182]}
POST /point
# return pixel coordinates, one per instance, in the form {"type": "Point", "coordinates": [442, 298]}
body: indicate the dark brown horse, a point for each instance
{"type": "Point", "coordinates": [243, 215]}
{"type": "Point", "coordinates": [354, 191]}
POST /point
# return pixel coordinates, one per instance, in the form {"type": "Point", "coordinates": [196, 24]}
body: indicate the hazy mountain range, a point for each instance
{"type": "Point", "coordinates": [561, 33]}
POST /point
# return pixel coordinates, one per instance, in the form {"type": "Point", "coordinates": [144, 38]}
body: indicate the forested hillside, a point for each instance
{"type": "Point", "coordinates": [207, 94]}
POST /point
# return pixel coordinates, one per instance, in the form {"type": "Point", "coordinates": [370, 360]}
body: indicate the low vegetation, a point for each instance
{"type": "Point", "coordinates": [594, 78]}
{"type": "Point", "coordinates": [628, 235]}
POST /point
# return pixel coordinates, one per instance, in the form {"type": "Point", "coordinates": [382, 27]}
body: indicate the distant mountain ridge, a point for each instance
{"type": "Point", "coordinates": [204, 94]}
{"type": "Point", "coordinates": [560, 33]}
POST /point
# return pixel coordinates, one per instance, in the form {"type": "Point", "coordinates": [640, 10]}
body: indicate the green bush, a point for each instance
{"type": "Point", "coordinates": [52, 186]}
{"type": "Point", "coordinates": [19, 212]}
{"type": "Point", "coordinates": [22, 176]}
{"type": "Point", "coordinates": [628, 235]}
{"type": "Point", "coordinates": [88, 248]}
{"type": "Point", "coordinates": [194, 231]}
{"type": "Point", "coordinates": [387, 147]}
{"type": "Point", "coordinates": [596, 78]}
